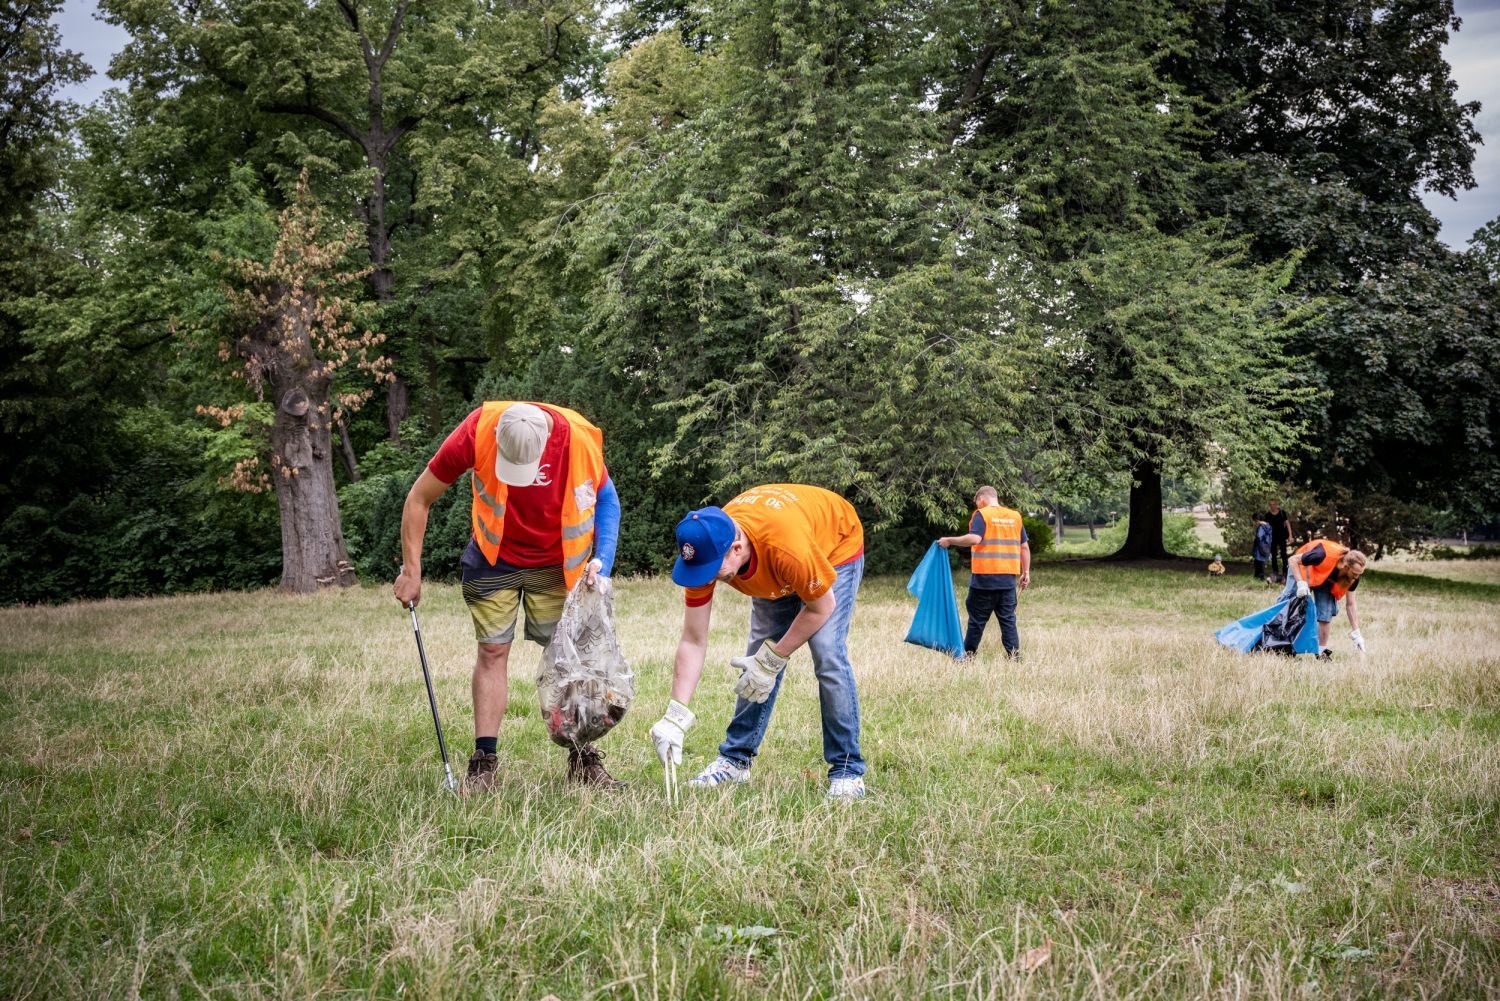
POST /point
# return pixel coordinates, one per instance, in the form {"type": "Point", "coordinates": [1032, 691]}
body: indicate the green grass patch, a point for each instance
{"type": "Point", "coordinates": [238, 796]}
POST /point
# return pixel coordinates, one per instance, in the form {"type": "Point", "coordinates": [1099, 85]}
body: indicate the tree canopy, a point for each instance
{"type": "Point", "coordinates": [894, 247]}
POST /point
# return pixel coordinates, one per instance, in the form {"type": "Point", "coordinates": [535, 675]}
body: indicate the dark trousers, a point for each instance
{"type": "Point", "coordinates": [1002, 602]}
{"type": "Point", "coordinates": [1260, 569]}
{"type": "Point", "coordinates": [1278, 552]}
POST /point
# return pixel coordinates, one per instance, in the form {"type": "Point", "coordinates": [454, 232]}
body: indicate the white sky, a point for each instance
{"type": "Point", "coordinates": [1474, 53]}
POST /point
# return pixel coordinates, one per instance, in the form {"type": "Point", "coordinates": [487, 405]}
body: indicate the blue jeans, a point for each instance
{"type": "Point", "coordinates": [829, 646]}
{"type": "Point", "coordinates": [1325, 604]}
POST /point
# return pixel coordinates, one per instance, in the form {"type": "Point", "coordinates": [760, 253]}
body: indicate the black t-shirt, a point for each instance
{"type": "Point", "coordinates": [1277, 522]}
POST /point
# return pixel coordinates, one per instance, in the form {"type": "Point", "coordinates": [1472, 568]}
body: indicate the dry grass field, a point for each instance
{"type": "Point", "coordinates": [237, 795]}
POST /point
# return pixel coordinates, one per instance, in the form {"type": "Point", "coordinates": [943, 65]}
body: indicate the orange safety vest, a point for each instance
{"type": "Point", "coordinates": [1000, 549]}
{"type": "Point", "coordinates": [585, 475]}
{"type": "Point", "coordinates": [1332, 553]}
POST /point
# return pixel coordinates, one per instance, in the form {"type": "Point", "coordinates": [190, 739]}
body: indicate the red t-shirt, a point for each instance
{"type": "Point", "coordinates": [533, 515]}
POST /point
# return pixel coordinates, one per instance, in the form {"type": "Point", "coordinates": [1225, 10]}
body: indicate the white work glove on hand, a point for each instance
{"type": "Point", "coordinates": [668, 732]}
{"type": "Point", "coordinates": [1359, 641]}
{"type": "Point", "coordinates": [757, 673]}
{"type": "Point", "coordinates": [1302, 588]}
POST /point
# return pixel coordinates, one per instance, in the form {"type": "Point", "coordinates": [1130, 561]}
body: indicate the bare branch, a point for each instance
{"type": "Point", "coordinates": [320, 114]}
{"type": "Point", "coordinates": [970, 91]}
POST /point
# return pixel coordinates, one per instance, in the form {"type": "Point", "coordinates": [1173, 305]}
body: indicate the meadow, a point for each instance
{"type": "Point", "coordinates": [238, 795]}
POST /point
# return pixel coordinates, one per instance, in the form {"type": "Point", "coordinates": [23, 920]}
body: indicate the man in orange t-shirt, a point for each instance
{"type": "Point", "coordinates": [798, 552]}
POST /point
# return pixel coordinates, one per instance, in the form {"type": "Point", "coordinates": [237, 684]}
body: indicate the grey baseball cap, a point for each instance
{"type": "Point", "coordinates": [521, 436]}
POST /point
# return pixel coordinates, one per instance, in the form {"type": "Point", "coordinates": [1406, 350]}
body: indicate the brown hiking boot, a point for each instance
{"type": "Point", "coordinates": [586, 767]}
{"type": "Point", "coordinates": [483, 770]}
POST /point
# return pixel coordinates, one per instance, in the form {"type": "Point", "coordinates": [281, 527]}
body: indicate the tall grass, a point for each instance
{"type": "Point", "coordinates": [238, 796]}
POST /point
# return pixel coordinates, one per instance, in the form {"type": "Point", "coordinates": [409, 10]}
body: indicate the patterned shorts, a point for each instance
{"type": "Point", "coordinates": [493, 593]}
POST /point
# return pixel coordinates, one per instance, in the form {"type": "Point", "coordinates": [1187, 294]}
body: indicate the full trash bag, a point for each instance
{"type": "Point", "coordinates": [1279, 628]}
{"type": "Point", "coordinates": [1291, 630]}
{"type": "Point", "coordinates": [936, 623]}
{"type": "Point", "coordinates": [584, 684]}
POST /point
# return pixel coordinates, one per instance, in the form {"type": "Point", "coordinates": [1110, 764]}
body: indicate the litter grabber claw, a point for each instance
{"type": "Point", "coordinates": [669, 768]}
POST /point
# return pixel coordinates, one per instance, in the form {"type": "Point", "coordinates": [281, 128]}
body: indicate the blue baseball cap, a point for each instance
{"type": "Point", "coordinates": [703, 537]}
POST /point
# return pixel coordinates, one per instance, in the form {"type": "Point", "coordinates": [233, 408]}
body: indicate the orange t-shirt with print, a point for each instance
{"type": "Point", "coordinates": [797, 534]}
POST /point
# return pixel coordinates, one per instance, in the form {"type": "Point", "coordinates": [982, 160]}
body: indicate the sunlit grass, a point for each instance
{"type": "Point", "coordinates": [238, 795]}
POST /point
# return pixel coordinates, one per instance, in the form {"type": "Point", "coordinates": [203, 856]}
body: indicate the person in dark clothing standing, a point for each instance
{"type": "Point", "coordinates": [1281, 535]}
{"type": "Point", "coordinates": [1000, 561]}
{"type": "Point", "coordinates": [1260, 550]}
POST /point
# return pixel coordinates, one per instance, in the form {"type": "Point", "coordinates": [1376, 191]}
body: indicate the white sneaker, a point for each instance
{"type": "Point", "coordinates": [852, 787]}
{"type": "Point", "coordinates": [721, 772]}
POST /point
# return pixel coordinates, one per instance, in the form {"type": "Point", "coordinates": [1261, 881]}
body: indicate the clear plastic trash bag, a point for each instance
{"type": "Point", "coordinates": [584, 684]}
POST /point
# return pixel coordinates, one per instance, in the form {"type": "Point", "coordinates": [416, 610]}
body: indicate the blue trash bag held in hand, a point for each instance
{"type": "Point", "coordinates": [936, 623]}
{"type": "Point", "coordinates": [1245, 634]}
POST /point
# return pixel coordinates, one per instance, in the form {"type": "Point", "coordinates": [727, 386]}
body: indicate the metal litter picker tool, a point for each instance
{"type": "Point", "coordinates": [451, 782]}
{"type": "Point", "coordinates": [670, 777]}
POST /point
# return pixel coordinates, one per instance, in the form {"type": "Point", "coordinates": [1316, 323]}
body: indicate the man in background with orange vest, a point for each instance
{"type": "Point", "coordinates": [799, 553]}
{"type": "Point", "coordinates": [1327, 571]}
{"type": "Point", "coordinates": [999, 562]}
{"type": "Point", "coordinates": [545, 515]}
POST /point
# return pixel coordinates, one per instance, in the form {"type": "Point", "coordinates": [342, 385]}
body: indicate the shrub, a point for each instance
{"type": "Point", "coordinates": [1039, 534]}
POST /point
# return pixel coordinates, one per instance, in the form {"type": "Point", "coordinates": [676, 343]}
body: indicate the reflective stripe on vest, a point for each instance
{"type": "Point", "coordinates": [1000, 549]}
{"type": "Point", "coordinates": [585, 472]}
{"type": "Point", "coordinates": [1318, 575]}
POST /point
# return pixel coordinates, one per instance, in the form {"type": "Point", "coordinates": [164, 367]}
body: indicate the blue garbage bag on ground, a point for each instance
{"type": "Point", "coordinates": [936, 623]}
{"type": "Point", "coordinates": [1247, 634]}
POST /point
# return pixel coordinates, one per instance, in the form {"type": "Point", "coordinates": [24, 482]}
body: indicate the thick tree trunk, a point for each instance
{"type": "Point", "coordinates": [313, 553]}
{"type": "Point", "coordinates": [1092, 534]}
{"type": "Point", "coordinates": [1143, 541]}
{"type": "Point", "coordinates": [1057, 515]}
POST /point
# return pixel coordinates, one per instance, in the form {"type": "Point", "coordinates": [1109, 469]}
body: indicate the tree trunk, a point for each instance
{"type": "Point", "coordinates": [1092, 534]}
{"type": "Point", "coordinates": [1143, 541]}
{"type": "Point", "coordinates": [346, 452]}
{"type": "Point", "coordinates": [382, 280]}
{"type": "Point", "coordinates": [1057, 515]}
{"type": "Point", "coordinates": [313, 553]}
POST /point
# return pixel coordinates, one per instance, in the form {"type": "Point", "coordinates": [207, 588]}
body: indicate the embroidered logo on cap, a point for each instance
{"type": "Point", "coordinates": [688, 551]}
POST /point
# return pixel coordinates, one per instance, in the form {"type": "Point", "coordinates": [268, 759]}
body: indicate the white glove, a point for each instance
{"type": "Point", "coordinates": [1359, 641]}
{"type": "Point", "coordinates": [1302, 588]}
{"type": "Point", "coordinates": [757, 673]}
{"type": "Point", "coordinates": [668, 732]}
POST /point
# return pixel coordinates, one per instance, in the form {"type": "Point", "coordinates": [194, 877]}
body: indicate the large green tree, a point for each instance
{"type": "Point", "coordinates": [34, 68]}
{"type": "Point", "coordinates": [793, 266]}
{"type": "Point", "coordinates": [1325, 123]}
{"type": "Point", "coordinates": [1164, 342]}
{"type": "Point", "coordinates": [423, 117]}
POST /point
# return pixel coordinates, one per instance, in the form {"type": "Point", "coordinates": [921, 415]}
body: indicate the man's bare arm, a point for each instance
{"type": "Point", "coordinates": [419, 501]}
{"type": "Point", "coordinates": [692, 648]}
{"type": "Point", "coordinates": [807, 622]}
{"type": "Point", "coordinates": [962, 541]}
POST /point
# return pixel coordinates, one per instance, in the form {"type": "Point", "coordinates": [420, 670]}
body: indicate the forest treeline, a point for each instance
{"type": "Point", "coordinates": [893, 247]}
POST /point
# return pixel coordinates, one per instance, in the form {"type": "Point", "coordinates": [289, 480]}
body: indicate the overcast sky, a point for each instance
{"type": "Point", "coordinates": [1474, 53]}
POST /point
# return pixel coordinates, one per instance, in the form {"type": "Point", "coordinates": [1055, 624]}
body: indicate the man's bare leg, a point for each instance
{"type": "Point", "coordinates": [490, 687]}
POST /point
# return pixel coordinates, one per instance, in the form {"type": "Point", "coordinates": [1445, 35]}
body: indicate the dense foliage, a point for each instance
{"type": "Point", "coordinates": [1098, 254]}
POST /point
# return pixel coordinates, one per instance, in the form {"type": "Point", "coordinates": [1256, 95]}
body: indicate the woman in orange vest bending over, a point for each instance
{"type": "Point", "coordinates": [999, 562]}
{"type": "Point", "coordinates": [1327, 571]}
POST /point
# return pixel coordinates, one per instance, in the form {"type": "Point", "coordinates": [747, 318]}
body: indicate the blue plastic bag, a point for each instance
{"type": "Point", "coordinates": [1244, 635]}
{"type": "Point", "coordinates": [936, 623]}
